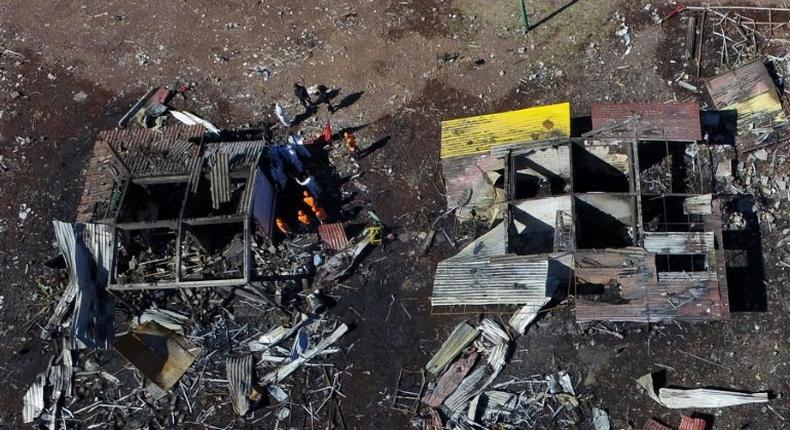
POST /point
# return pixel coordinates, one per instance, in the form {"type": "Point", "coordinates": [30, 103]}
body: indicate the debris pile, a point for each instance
{"type": "Point", "coordinates": [175, 249]}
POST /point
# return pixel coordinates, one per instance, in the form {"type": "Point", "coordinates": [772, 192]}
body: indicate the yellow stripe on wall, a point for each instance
{"type": "Point", "coordinates": [478, 134]}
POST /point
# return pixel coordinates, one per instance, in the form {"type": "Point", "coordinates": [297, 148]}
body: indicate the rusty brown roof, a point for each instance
{"type": "Point", "coordinates": [151, 152]}
{"type": "Point", "coordinates": [652, 424]}
{"type": "Point", "coordinates": [671, 121]}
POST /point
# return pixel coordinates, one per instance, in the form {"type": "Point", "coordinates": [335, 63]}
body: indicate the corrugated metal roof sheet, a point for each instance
{"type": "Point", "coordinates": [467, 184]}
{"type": "Point", "coordinates": [239, 374]}
{"type": "Point", "coordinates": [220, 180]}
{"type": "Point", "coordinates": [479, 134]}
{"type": "Point", "coordinates": [148, 152]}
{"type": "Point", "coordinates": [492, 243]}
{"type": "Point", "coordinates": [688, 423]}
{"type": "Point", "coordinates": [240, 154]}
{"type": "Point", "coordinates": [462, 335]}
{"type": "Point", "coordinates": [333, 236]}
{"type": "Point", "coordinates": [751, 92]}
{"type": "Point", "coordinates": [506, 280]}
{"type": "Point", "coordinates": [671, 121]}
{"type": "Point", "coordinates": [679, 243]}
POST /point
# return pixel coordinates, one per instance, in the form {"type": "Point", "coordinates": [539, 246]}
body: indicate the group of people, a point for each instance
{"type": "Point", "coordinates": [291, 153]}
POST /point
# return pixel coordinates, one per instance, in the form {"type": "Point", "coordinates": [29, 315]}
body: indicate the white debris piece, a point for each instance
{"type": "Point", "coordinates": [34, 400]}
{"type": "Point", "coordinates": [524, 316]}
{"type": "Point", "coordinates": [283, 372]}
{"type": "Point", "coordinates": [277, 392]}
{"type": "Point", "coordinates": [24, 212]}
{"type": "Point", "coordinates": [189, 118]}
{"type": "Point", "coordinates": [600, 419]}
{"type": "Point", "coordinates": [282, 115]}
{"type": "Point", "coordinates": [696, 398]}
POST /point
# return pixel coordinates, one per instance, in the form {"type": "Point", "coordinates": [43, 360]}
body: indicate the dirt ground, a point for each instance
{"type": "Point", "coordinates": [411, 63]}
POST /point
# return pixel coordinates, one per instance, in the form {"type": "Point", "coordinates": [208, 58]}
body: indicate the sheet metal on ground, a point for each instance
{"type": "Point", "coordinates": [333, 236]}
{"type": "Point", "coordinates": [503, 280]}
{"type": "Point", "coordinates": [750, 91]}
{"type": "Point", "coordinates": [479, 134]}
{"type": "Point", "coordinates": [672, 121]}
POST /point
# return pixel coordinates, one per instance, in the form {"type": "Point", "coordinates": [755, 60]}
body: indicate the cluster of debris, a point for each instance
{"type": "Point", "coordinates": [627, 222]}
{"type": "Point", "coordinates": [193, 245]}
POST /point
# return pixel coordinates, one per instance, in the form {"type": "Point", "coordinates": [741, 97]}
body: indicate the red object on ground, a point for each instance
{"type": "Point", "coordinates": [679, 8]}
{"type": "Point", "coordinates": [326, 135]}
{"type": "Point", "coordinates": [688, 423]}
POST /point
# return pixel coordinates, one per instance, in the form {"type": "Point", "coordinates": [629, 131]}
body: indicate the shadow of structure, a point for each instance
{"type": "Point", "coordinates": [745, 266]}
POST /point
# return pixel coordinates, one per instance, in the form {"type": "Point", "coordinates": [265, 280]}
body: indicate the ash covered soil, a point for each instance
{"type": "Point", "coordinates": [415, 63]}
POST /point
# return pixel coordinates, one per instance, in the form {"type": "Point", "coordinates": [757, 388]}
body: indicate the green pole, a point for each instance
{"type": "Point", "coordinates": [524, 15]}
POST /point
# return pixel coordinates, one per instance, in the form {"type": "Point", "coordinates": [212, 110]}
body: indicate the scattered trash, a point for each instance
{"type": "Point", "coordinates": [600, 419]}
{"type": "Point", "coordinates": [80, 97]}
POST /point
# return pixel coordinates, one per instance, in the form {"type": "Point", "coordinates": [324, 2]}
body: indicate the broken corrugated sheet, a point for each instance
{"type": "Point", "coordinates": [457, 341]}
{"type": "Point", "coordinates": [697, 205]}
{"type": "Point", "coordinates": [492, 406]}
{"type": "Point", "coordinates": [469, 183]}
{"type": "Point", "coordinates": [239, 373]}
{"type": "Point", "coordinates": [240, 154]}
{"type": "Point", "coordinates": [660, 121]}
{"type": "Point", "coordinates": [87, 251]}
{"type": "Point", "coordinates": [688, 423]}
{"type": "Point", "coordinates": [34, 400]}
{"type": "Point", "coordinates": [492, 243]}
{"type": "Point", "coordinates": [652, 424]}
{"type": "Point", "coordinates": [147, 152]}
{"type": "Point", "coordinates": [281, 373]}
{"type": "Point", "coordinates": [681, 398]}
{"type": "Point", "coordinates": [689, 300]}
{"type": "Point", "coordinates": [524, 316]}
{"type": "Point", "coordinates": [220, 180]}
{"type": "Point", "coordinates": [679, 243]}
{"type": "Point", "coordinates": [161, 355]}
{"type": "Point", "coordinates": [168, 319]}
{"type": "Point", "coordinates": [449, 380]}
{"type": "Point", "coordinates": [751, 92]}
{"type": "Point", "coordinates": [512, 280]}
{"type": "Point", "coordinates": [333, 236]}
{"type": "Point", "coordinates": [479, 134]}
{"type": "Point", "coordinates": [479, 379]}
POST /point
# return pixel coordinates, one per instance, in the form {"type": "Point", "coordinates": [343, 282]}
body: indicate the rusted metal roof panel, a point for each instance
{"type": "Point", "coordinates": [163, 152]}
{"type": "Point", "coordinates": [679, 243]}
{"type": "Point", "coordinates": [96, 201]}
{"type": "Point", "coordinates": [468, 183]}
{"type": "Point", "coordinates": [750, 91]}
{"type": "Point", "coordinates": [506, 280]}
{"type": "Point", "coordinates": [241, 154]}
{"type": "Point", "coordinates": [685, 300]}
{"type": "Point", "coordinates": [672, 121]}
{"type": "Point", "coordinates": [688, 423]}
{"type": "Point", "coordinates": [333, 236]}
{"type": "Point", "coordinates": [625, 272]}
{"type": "Point", "coordinates": [479, 134]}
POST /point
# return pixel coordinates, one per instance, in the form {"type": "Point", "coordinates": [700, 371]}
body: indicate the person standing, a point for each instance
{"type": "Point", "coordinates": [351, 143]}
{"type": "Point", "coordinates": [323, 97]}
{"type": "Point", "coordinates": [304, 98]}
{"type": "Point", "coordinates": [282, 226]}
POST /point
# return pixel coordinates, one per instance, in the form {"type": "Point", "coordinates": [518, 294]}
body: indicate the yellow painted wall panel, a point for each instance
{"type": "Point", "coordinates": [478, 134]}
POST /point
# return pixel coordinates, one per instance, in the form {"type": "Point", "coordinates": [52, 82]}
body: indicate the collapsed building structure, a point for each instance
{"type": "Point", "coordinates": [626, 218]}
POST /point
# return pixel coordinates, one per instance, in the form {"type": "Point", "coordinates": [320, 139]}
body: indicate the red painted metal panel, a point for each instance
{"type": "Point", "coordinates": [333, 235]}
{"type": "Point", "coordinates": [672, 121]}
{"type": "Point", "coordinates": [688, 423]}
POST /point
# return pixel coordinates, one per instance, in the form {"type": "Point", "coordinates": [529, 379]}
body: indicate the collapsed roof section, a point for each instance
{"type": "Point", "coordinates": [625, 219]}
{"type": "Point", "coordinates": [180, 208]}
